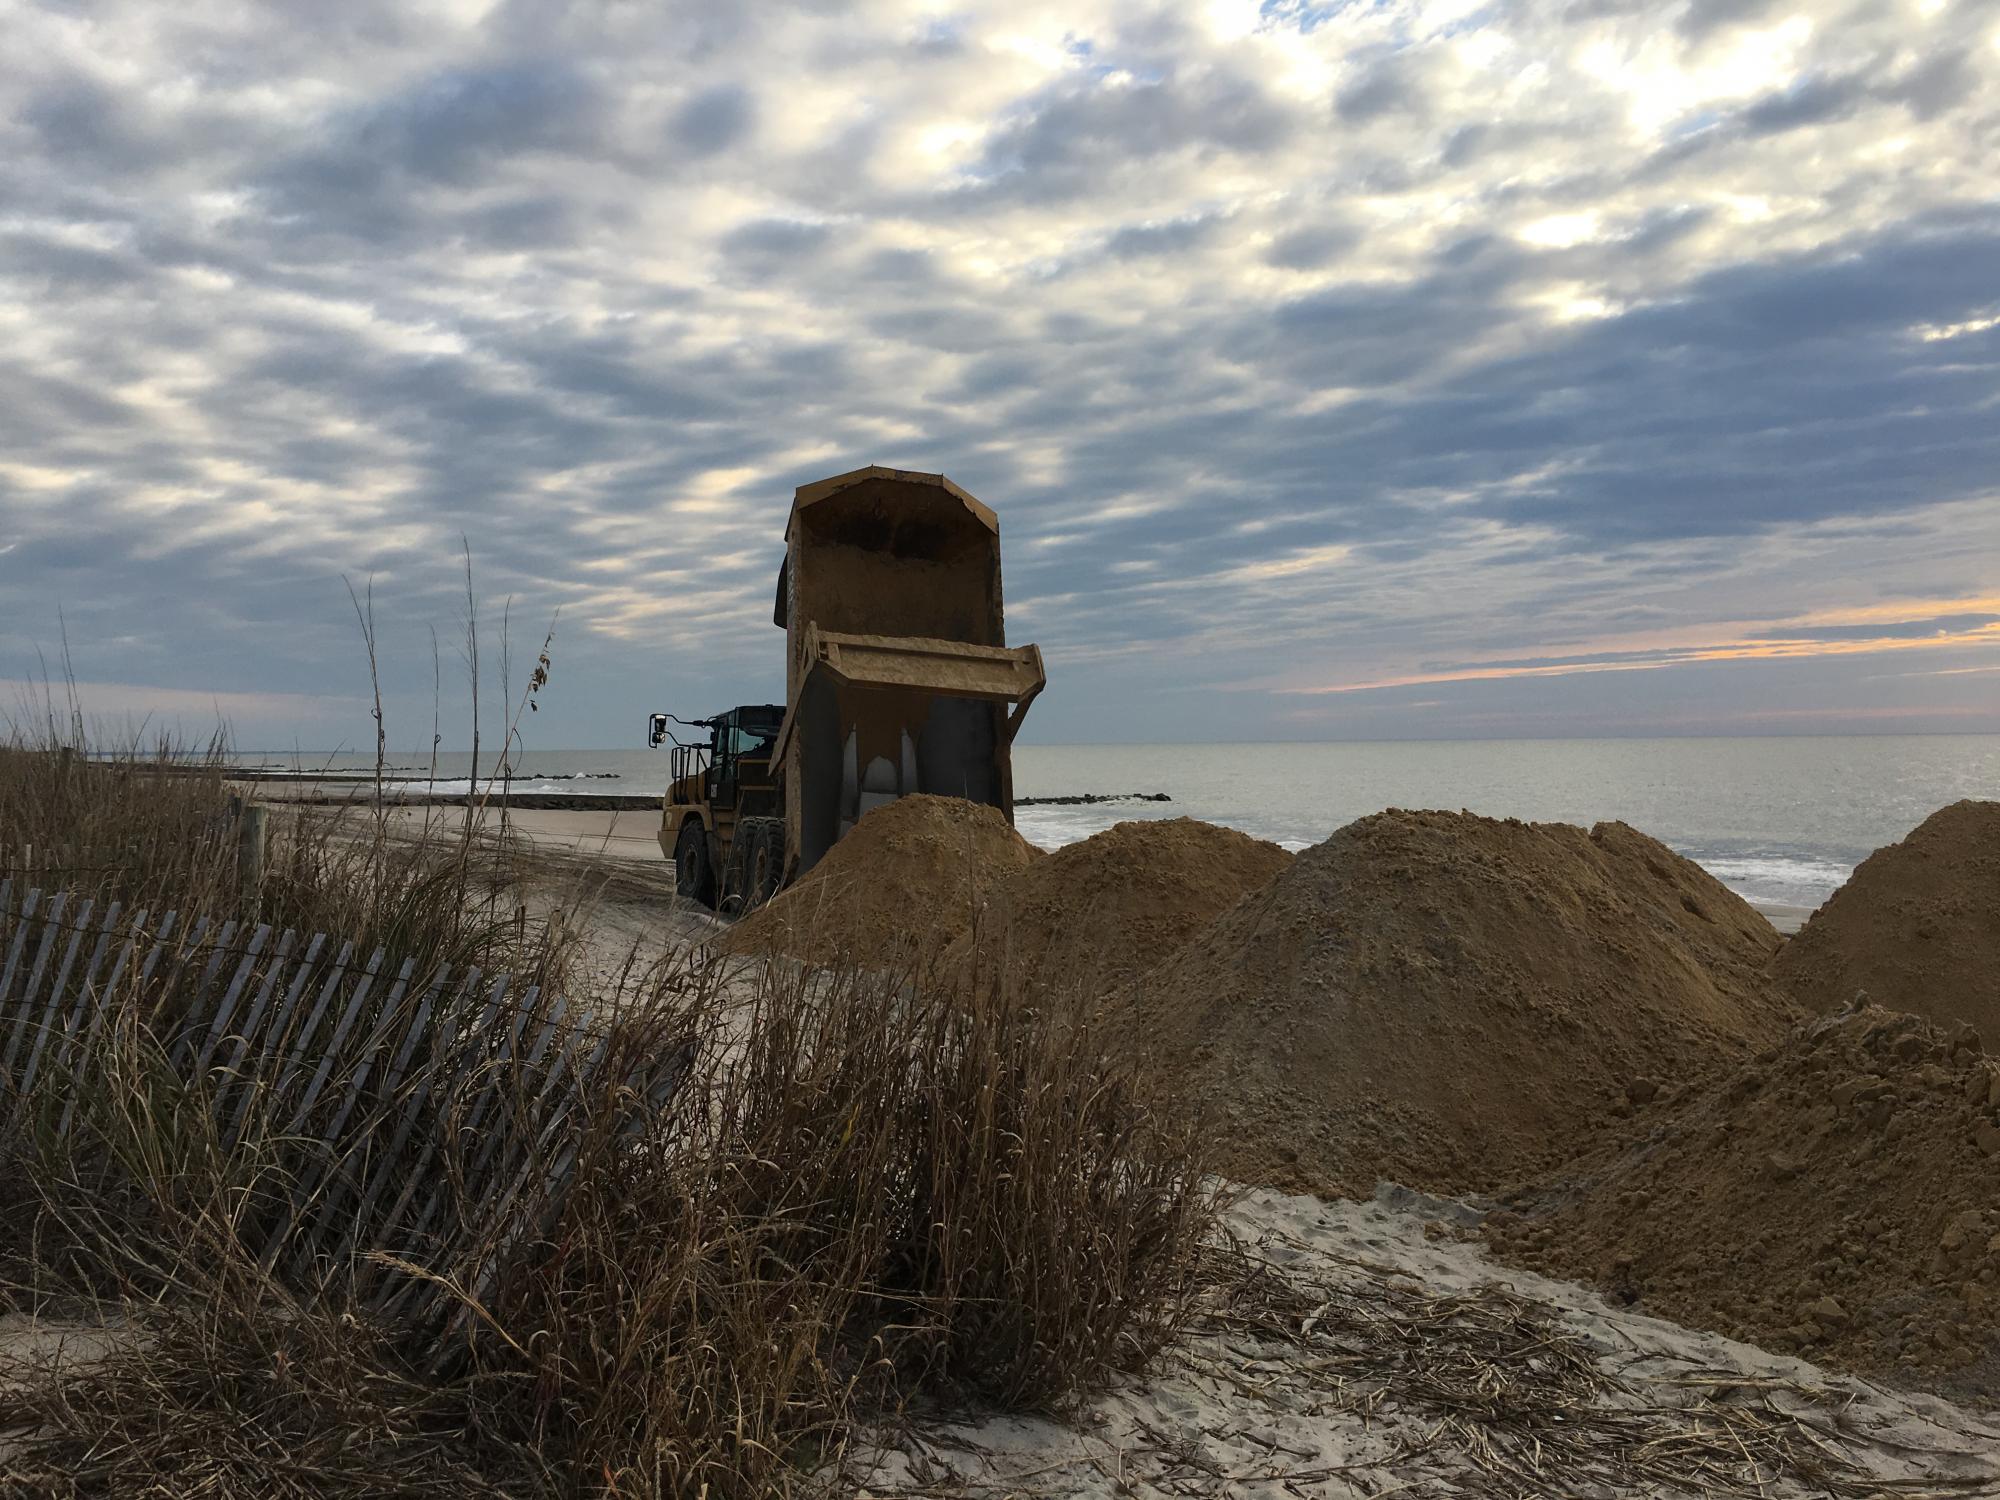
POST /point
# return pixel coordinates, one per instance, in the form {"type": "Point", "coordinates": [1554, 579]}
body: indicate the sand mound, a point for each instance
{"type": "Point", "coordinates": [1839, 1196]}
{"type": "Point", "coordinates": [1105, 910]}
{"type": "Point", "coordinates": [905, 881]}
{"type": "Point", "coordinates": [1917, 926]}
{"type": "Point", "coordinates": [1452, 1002]}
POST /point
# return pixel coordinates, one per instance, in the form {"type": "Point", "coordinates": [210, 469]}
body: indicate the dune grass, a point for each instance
{"type": "Point", "coordinates": [866, 1194]}
{"type": "Point", "coordinates": [153, 826]}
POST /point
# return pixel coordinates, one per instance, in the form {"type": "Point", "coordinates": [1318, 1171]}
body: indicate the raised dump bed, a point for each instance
{"type": "Point", "coordinates": [898, 680]}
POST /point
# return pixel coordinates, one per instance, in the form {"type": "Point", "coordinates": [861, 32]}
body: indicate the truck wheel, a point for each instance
{"type": "Point", "coordinates": [767, 857]}
{"type": "Point", "coordinates": [694, 880]}
{"type": "Point", "coordinates": [729, 887]}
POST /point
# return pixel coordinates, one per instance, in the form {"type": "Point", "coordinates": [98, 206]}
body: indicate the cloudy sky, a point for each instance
{"type": "Point", "coordinates": [1337, 370]}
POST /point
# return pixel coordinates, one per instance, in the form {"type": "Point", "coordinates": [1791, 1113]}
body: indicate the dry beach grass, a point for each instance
{"type": "Point", "coordinates": [861, 1196]}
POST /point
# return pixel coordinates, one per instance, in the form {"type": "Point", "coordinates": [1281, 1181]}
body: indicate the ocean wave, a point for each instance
{"type": "Point", "coordinates": [1787, 879]}
{"type": "Point", "coordinates": [520, 786]}
{"type": "Point", "coordinates": [1773, 877]}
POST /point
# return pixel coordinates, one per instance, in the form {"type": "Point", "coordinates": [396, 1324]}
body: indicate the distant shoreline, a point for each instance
{"type": "Point", "coordinates": [339, 790]}
{"type": "Point", "coordinates": [399, 794]}
{"type": "Point", "coordinates": [563, 825]}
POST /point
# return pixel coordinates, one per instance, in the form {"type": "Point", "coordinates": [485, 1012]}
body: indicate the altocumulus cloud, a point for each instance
{"type": "Point", "coordinates": [1399, 368]}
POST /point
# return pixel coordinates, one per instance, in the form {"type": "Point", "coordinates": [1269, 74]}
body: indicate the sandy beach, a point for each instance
{"type": "Point", "coordinates": [1233, 1415]}
{"type": "Point", "coordinates": [619, 828]}
{"type": "Point", "coordinates": [619, 833]}
{"type": "Point", "coordinates": [628, 833]}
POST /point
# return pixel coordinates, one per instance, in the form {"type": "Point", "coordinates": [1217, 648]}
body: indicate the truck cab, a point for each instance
{"type": "Point", "coordinates": [723, 805]}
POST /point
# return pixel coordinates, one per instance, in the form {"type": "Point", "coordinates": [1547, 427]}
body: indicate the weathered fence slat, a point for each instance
{"type": "Point", "coordinates": [356, 1182]}
{"type": "Point", "coordinates": [219, 1027]}
{"type": "Point", "coordinates": [525, 1167]}
{"type": "Point", "coordinates": [490, 1088]}
{"type": "Point", "coordinates": [276, 972]}
{"type": "Point", "coordinates": [477, 1110]}
{"type": "Point", "coordinates": [496, 1085]}
{"type": "Point", "coordinates": [231, 1070]}
{"type": "Point", "coordinates": [371, 1049]}
{"type": "Point", "coordinates": [25, 1023]}
{"type": "Point", "coordinates": [296, 1060]}
{"type": "Point", "coordinates": [57, 990]}
{"type": "Point", "coordinates": [95, 1014]}
{"type": "Point", "coordinates": [186, 951]}
{"type": "Point", "coordinates": [60, 987]}
{"type": "Point", "coordinates": [14, 948]}
{"type": "Point", "coordinates": [470, 1060]}
{"type": "Point", "coordinates": [248, 1078]}
{"type": "Point", "coordinates": [165, 933]}
{"type": "Point", "coordinates": [86, 992]}
{"type": "Point", "coordinates": [220, 952]}
{"type": "Point", "coordinates": [332, 1053]}
{"type": "Point", "coordinates": [467, 1059]}
{"type": "Point", "coordinates": [307, 1185]}
{"type": "Point", "coordinates": [325, 1174]}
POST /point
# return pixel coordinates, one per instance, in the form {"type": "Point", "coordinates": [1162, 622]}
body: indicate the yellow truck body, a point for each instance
{"type": "Point", "coordinates": [898, 675]}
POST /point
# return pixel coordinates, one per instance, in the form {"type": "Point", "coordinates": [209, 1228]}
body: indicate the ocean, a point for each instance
{"type": "Point", "coordinates": [1779, 819]}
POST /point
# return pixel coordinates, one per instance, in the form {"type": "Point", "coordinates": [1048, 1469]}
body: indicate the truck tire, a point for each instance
{"type": "Point", "coordinates": [729, 889]}
{"type": "Point", "coordinates": [694, 878]}
{"type": "Point", "coordinates": [766, 864]}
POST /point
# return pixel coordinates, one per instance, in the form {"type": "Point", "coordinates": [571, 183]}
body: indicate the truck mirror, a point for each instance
{"type": "Point", "coordinates": [656, 730]}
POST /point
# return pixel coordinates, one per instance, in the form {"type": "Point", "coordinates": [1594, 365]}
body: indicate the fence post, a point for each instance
{"type": "Point", "coordinates": [250, 846]}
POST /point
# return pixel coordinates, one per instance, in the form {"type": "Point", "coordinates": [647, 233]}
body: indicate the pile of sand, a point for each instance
{"type": "Point", "coordinates": [1103, 911]}
{"type": "Point", "coordinates": [907, 879]}
{"type": "Point", "coordinates": [1453, 1002]}
{"type": "Point", "coordinates": [1917, 926]}
{"type": "Point", "coordinates": [1840, 1196]}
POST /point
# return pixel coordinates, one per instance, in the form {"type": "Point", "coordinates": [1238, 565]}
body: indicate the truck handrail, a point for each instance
{"type": "Point", "coordinates": [688, 760]}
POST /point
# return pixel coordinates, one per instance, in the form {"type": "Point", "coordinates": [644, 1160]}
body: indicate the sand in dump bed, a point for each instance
{"type": "Point", "coordinates": [905, 881]}
{"type": "Point", "coordinates": [1452, 1002]}
{"type": "Point", "coordinates": [1917, 926]}
{"type": "Point", "coordinates": [1840, 1196]}
{"type": "Point", "coordinates": [1110, 907]}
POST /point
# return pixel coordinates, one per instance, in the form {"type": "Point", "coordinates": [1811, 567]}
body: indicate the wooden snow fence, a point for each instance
{"type": "Point", "coordinates": [414, 1121]}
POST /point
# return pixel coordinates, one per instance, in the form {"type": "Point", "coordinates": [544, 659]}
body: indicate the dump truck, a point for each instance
{"type": "Point", "coordinates": [898, 679]}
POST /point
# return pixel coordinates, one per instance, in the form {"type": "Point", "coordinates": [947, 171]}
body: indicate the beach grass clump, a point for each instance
{"type": "Point", "coordinates": [860, 1196]}
{"type": "Point", "coordinates": [867, 1196]}
{"type": "Point", "coordinates": [153, 825]}
{"type": "Point", "coordinates": [142, 821]}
